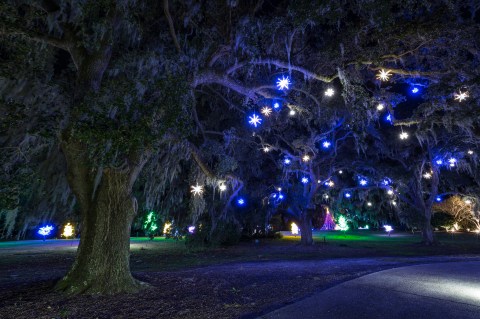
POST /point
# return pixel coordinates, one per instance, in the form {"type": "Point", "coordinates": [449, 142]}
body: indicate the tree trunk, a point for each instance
{"type": "Point", "coordinates": [102, 261]}
{"type": "Point", "coordinates": [428, 237]}
{"type": "Point", "coordinates": [306, 229]}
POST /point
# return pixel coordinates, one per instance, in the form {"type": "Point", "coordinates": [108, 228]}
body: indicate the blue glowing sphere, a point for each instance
{"type": "Point", "coordinates": [240, 201]}
{"type": "Point", "coordinates": [415, 90]}
{"type": "Point", "coordinates": [287, 161]}
{"type": "Point", "coordinates": [304, 180]}
{"type": "Point", "coordinates": [438, 199]}
{"type": "Point", "coordinates": [348, 195]}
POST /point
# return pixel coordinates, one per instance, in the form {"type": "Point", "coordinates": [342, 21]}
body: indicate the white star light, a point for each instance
{"type": "Point", "coordinates": [306, 158]}
{"type": "Point", "coordinates": [390, 192]}
{"type": "Point", "coordinates": [369, 204]}
{"type": "Point", "coordinates": [460, 96]}
{"type": "Point", "coordinates": [427, 175]}
{"type": "Point", "coordinates": [380, 106]}
{"type": "Point", "coordinates": [292, 113]}
{"type": "Point", "coordinates": [197, 190]}
{"type": "Point", "coordinates": [326, 144]}
{"type": "Point", "coordinates": [403, 135]}
{"type": "Point", "coordinates": [255, 120]}
{"type": "Point", "coordinates": [304, 180]}
{"type": "Point", "coordinates": [330, 184]}
{"type": "Point", "coordinates": [383, 75]}
{"type": "Point", "coordinates": [329, 92]}
{"type": "Point", "coordinates": [470, 152]}
{"type": "Point", "coordinates": [266, 111]}
{"type": "Point", "coordinates": [283, 83]}
{"type": "Point", "coordinates": [266, 149]}
{"type": "Point", "coordinates": [363, 182]}
{"type": "Point", "coordinates": [222, 187]}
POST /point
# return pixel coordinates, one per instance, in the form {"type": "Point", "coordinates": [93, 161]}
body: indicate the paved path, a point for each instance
{"type": "Point", "coordinates": [430, 291]}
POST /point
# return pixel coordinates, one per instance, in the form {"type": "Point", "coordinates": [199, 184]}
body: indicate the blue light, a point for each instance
{"type": "Point", "coordinates": [280, 196]}
{"type": "Point", "coordinates": [326, 144]}
{"type": "Point", "coordinates": [363, 182]}
{"type": "Point", "coordinates": [287, 161]}
{"type": "Point", "coordinates": [415, 90]}
{"type": "Point", "coordinates": [45, 231]}
{"type": "Point", "coordinates": [452, 161]}
{"type": "Point", "coordinates": [254, 120]}
{"type": "Point", "coordinates": [276, 106]}
{"type": "Point", "coordinates": [438, 199]}
{"type": "Point", "coordinates": [439, 162]}
{"type": "Point", "coordinates": [348, 195]}
{"type": "Point", "coordinates": [386, 182]}
{"type": "Point", "coordinates": [304, 180]}
{"type": "Point", "coordinates": [389, 118]}
{"type": "Point", "coordinates": [240, 201]}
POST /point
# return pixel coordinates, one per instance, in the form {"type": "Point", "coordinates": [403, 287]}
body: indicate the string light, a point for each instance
{"type": "Point", "coordinates": [460, 96]}
{"type": "Point", "coordinates": [326, 144]}
{"type": "Point", "coordinates": [304, 180]}
{"type": "Point", "coordinates": [403, 135]}
{"type": "Point", "coordinates": [306, 158]}
{"type": "Point", "coordinates": [292, 113]}
{"type": "Point", "coordinates": [266, 111]}
{"type": "Point", "coordinates": [427, 175]}
{"type": "Point", "coordinates": [222, 187]}
{"type": "Point", "coordinates": [363, 182]}
{"type": "Point", "coordinates": [452, 161]}
{"type": "Point", "coordinates": [255, 120]}
{"type": "Point", "coordinates": [266, 149]}
{"type": "Point", "coordinates": [329, 92]}
{"type": "Point", "coordinates": [287, 161]}
{"type": "Point", "coordinates": [197, 190]}
{"type": "Point", "coordinates": [383, 75]}
{"type": "Point", "coordinates": [283, 83]}
{"type": "Point", "coordinates": [380, 107]}
{"type": "Point", "coordinates": [470, 152]}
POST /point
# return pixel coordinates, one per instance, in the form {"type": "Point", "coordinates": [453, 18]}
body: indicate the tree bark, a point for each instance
{"type": "Point", "coordinates": [428, 237]}
{"type": "Point", "coordinates": [102, 263]}
{"type": "Point", "coordinates": [306, 237]}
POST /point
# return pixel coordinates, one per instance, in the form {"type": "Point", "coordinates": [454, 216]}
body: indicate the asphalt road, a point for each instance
{"type": "Point", "coordinates": [440, 290]}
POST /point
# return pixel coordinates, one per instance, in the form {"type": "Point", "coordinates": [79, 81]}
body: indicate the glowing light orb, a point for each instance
{"type": "Point", "coordinates": [326, 144]}
{"type": "Point", "coordinates": [197, 190]}
{"type": "Point", "coordinates": [254, 120]}
{"type": "Point", "coordinates": [292, 113]}
{"type": "Point", "coordinates": [340, 172]}
{"type": "Point", "coordinates": [380, 107]}
{"type": "Point", "coordinates": [304, 180]}
{"type": "Point", "coordinates": [363, 182]}
{"type": "Point", "coordinates": [383, 75]}
{"type": "Point", "coordinates": [369, 204]}
{"type": "Point", "coordinates": [240, 201]}
{"type": "Point", "coordinates": [167, 228]}
{"type": "Point", "coordinates": [294, 229]}
{"type": "Point", "coordinates": [394, 203]}
{"type": "Point", "coordinates": [329, 92]}
{"type": "Point", "coordinates": [348, 195]}
{"type": "Point", "coordinates": [470, 152]}
{"type": "Point", "coordinates": [276, 105]}
{"type": "Point", "coordinates": [287, 161]}
{"type": "Point", "coordinates": [306, 158]}
{"type": "Point", "coordinates": [452, 161]}
{"type": "Point", "coordinates": [460, 96]}
{"type": "Point", "coordinates": [67, 230]}
{"type": "Point", "coordinates": [427, 175]}
{"type": "Point", "coordinates": [330, 184]}
{"type": "Point", "coordinates": [439, 162]}
{"type": "Point", "coordinates": [191, 229]}
{"type": "Point", "coordinates": [386, 181]}
{"type": "Point", "coordinates": [390, 192]}
{"type": "Point", "coordinates": [45, 230]}
{"type": "Point", "coordinates": [283, 83]}
{"type": "Point", "coordinates": [266, 149]}
{"type": "Point", "coordinates": [403, 135]}
{"type": "Point", "coordinates": [222, 187]}
{"type": "Point", "coordinates": [281, 196]}
{"type": "Point", "coordinates": [438, 199]}
{"type": "Point", "coordinates": [468, 202]}
{"type": "Point", "coordinates": [388, 228]}
{"type": "Point", "coordinates": [266, 111]}
{"type": "Point", "coordinates": [415, 90]}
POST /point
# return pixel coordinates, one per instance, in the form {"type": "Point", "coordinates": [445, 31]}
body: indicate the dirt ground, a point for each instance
{"type": "Point", "coordinates": [238, 282]}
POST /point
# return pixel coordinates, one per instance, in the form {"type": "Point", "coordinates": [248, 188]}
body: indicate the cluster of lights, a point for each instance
{"type": "Point", "coordinates": [330, 184]}
{"type": "Point", "coordinates": [452, 161]}
{"type": "Point", "coordinates": [470, 152]}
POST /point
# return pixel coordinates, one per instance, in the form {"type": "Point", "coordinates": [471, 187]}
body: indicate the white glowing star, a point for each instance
{"type": "Point", "coordinates": [380, 106]}
{"type": "Point", "coordinates": [383, 75]}
{"type": "Point", "coordinates": [326, 144]}
{"type": "Point", "coordinates": [403, 135]}
{"type": "Point", "coordinates": [197, 190]}
{"type": "Point", "coordinates": [304, 180]}
{"type": "Point", "coordinates": [369, 204]}
{"type": "Point", "coordinates": [460, 96]}
{"type": "Point", "coordinates": [388, 228]}
{"type": "Point", "coordinates": [330, 184]}
{"type": "Point", "coordinates": [427, 175]}
{"type": "Point", "coordinates": [255, 120]}
{"type": "Point", "coordinates": [292, 112]}
{"type": "Point", "coordinates": [266, 111]}
{"type": "Point", "coordinates": [390, 192]}
{"type": "Point", "coordinates": [305, 158]}
{"type": "Point", "coordinates": [266, 149]}
{"type": "Point", "coordinates": [222, 187]}
{"type": "Point", "coordinates": [363, 182]}
{"type": "Point", "coordinates": [283, 83]}
{"type": "Point", "coordinates": [329, 92]}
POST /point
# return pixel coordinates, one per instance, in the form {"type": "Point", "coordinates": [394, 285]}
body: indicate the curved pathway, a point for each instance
{"type": "Point", "coordinates": [441, 290]}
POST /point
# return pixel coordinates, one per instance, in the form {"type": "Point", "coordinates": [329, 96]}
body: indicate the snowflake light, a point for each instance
{"type": "Point", "coordinates": [222, 187]}
{"type": "Point", "coordinates": [415, 90]}
{"type": "Point", "coordinates": [281, 196]}
{"type": "Point", "coordinates": [67, 231]}
{"type": "Point", "coordinates": [45, 230]}
{"type": "Point", "coordinates": [240, 201]}
{"type": "Point", "coordinates": [326, 144]}
{"type": "Point", "coordinates": [306, 158]}
{"type": "Point", "coordinates": [283, 83]}
{"type": "Point", "coordinates": [452, 161]}
{"type": "Point", "coordinates": [191, 229]}
{"type": "Point", "coordinates": [330, 184]}
{"type": "Point", "coordinates": [363, 182]}
{"type": "Point", "coordinates": [389, 118]}
{"type": "Point", "coordinates": [276, 105]}
{"type": "Point", "coordinates": [266, 111]}
{"type": "Point", "coordinates": [388, 228]}
{"type": "Point", "coordinates": [287, 161]}
{"type": "Point", "coordinates": [380, 107]}
{"type": "Point", "coordinates": [348, 195]}
{"type": "Point", "coordinates": [197, 190]}
{"type": "Point", "coordinates": [427, 175]}
{"type": "Point", "coordinates": [254, 120]}
{"type": "Point", "coordinates": [329, 92]}
{"type": "Point", "coordinates": [403, 135]}
{"type": "Point", "coordinates": [304, 180]}
{"type": "Point", "coordinates": [386, 181]}
{"type": "Point", "coordinates": [383, 75]}
{"type": "Point", "coordinates": [439, 162]}
{"type": "Point", "coordinates": [390, 192]}
{"type": "Point", "coordinates": [266, 149]}
{"type": "Point", "coordinates": [460, 96]}
{"type": "Point", "coordinates": [294, 229]}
